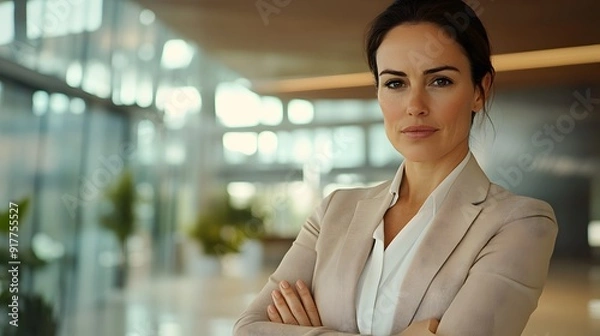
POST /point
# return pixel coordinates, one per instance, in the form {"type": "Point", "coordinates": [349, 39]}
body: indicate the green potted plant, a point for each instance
{"type": "Point", "coordinates": [36, 315]}
{"type": "Point", "coordinates": [223, 229]}
{"type": "Point", "coordinates": [119, 218]}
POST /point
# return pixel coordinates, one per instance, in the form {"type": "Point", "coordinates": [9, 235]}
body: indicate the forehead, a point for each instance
{"type": "Point", "coordinates": [419, 46]}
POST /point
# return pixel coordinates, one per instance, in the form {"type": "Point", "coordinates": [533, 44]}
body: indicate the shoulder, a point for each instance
{"type": "Point", "coordinates": [339, 205]}
{"type": "Point", "coordinates": [349, 197]}
{"type": "Point", "coordinates": [512, 212]}
{"type": "Point", "coordinates": [515, 206]}
{"type": "Point", "coordinates": [345, 194]}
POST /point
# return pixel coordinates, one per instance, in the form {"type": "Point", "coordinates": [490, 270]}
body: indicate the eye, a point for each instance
{"type": "Point", "coordinates": [442, 81]}
{"type": "Point", "coordinates": [394, 84]}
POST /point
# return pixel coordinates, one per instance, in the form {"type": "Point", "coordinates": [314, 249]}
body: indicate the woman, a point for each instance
{"type": "Point", "coordinates": [439, 250]}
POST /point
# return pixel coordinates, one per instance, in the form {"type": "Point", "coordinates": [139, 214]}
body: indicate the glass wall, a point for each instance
{"type": "Point", "coordinates": [60, 156]}
{"type": "Point", "coordinates": [101, 108]}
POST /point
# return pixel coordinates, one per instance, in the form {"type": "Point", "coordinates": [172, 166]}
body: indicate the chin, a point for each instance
{"type": "Point", "coordinates": [416, 155]}
{"type": "Point", "coordinates": [418, 152]}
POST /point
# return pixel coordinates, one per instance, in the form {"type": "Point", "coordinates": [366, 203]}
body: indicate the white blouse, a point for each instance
{"type": "Point", "coordinates": [380, 281]}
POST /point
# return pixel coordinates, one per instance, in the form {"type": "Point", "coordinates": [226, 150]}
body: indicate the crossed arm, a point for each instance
{"type": "Point", "coordinates": [294, 305]}
{"type": "Point", "coordinates": [287, 307]}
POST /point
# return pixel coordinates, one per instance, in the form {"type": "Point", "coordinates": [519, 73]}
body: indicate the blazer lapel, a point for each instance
{"type": "Point", "coordinates": [459, 210]}
{"type": "Point", "coordinates": [355, 251]}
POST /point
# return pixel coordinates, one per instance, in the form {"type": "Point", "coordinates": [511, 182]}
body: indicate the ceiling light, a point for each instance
{"type": "Point", "coordinates": [547, 58]}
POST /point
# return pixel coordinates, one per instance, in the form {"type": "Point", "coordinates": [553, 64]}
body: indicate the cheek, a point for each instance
{"type": "Point", "coordinates": [390, 108]}
{"type": "Point", "coordinates": [459, 114]}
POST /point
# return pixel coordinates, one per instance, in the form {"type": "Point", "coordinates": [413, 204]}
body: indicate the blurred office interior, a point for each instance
{"type": "Point", "coordinates": [122, 123]}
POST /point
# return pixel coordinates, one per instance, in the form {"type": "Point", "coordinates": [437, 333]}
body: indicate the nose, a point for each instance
{"type": "Point", "coordinates": [417, 105]}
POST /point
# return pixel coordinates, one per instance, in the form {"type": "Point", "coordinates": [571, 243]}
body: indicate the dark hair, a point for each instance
{"type": "Point", "coordinates": [456, 19]}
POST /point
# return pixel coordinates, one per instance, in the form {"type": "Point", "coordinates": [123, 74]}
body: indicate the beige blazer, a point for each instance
{"type": "Point", "coordinates": [480, 268]}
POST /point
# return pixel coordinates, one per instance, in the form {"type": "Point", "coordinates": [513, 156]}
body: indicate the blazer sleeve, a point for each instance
{"type": "Point", "coordinates": [298, 263]}
{"type": "Point", "coordinates": [506, 280]}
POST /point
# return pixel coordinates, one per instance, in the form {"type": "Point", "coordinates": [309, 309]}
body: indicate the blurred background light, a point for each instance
{"type": "Point", "coordinates": [177, 54]}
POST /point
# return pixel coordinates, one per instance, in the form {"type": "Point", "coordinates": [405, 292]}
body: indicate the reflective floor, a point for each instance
{"type": "Point", "coordinates": [208, 306]}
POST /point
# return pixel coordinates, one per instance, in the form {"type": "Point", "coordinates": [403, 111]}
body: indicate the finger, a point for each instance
{"type": "Point", "coordinates": [433, 325]}
{"type": "Point", "coordinates": [273, 314]}
{"type": "Point", "coordinates": [309, 303]}
{"type": "Point", "coordinates": [282, 308]}
{"type": "Point", "coordinates": [294, 303]}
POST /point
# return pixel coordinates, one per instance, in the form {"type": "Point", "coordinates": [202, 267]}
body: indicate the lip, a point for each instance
{"type": "Point", "coordinates": [418, 131]}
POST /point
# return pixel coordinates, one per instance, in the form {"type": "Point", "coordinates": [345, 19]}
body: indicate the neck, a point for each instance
{"type": "Point", "coordinates": [421, 178]}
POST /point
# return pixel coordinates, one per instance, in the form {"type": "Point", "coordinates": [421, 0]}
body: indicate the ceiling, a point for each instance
{"type": "Point", "coordinates": [308, 38]}
{"type": "Point", "coordinates": [311, 38]}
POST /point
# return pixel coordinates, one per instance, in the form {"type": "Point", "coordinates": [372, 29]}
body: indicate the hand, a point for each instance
{"type": "Point", "coordinates": [432, 325]}
{"type": "Point", "coordinates": [293, 306]}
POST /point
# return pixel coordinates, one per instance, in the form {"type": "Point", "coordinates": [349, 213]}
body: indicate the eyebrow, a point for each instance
{"type": "Point", "coordinates": [426, 72]}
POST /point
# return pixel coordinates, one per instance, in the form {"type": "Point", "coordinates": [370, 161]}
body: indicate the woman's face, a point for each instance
{"type": "Point", "coordinates": [426, 93]}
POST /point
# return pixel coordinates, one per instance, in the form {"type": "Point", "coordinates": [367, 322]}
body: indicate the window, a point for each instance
{"type": "Point", "coordinates": [267, 146]}
{"type": "Point", "coordinates": [7, 23]}
{"type": "Point", "coordinates": [61, 18]}
{"type": "Point", "coordinates": [300, 111]}
{"type": "Point", "coordinates": [236, 106]}
{"type": "Point", "coordinates": [238, 146]}
{"type": "Point", "coordinates": [381, 152]}
{"type": "Point", "coordinates": [348, 147]}
{"type": "Point", "coordinates": [271, 111]}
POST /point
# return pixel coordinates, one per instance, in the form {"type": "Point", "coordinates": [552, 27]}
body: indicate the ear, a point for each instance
{"type": "Point", "coordinates": [480, 96]}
